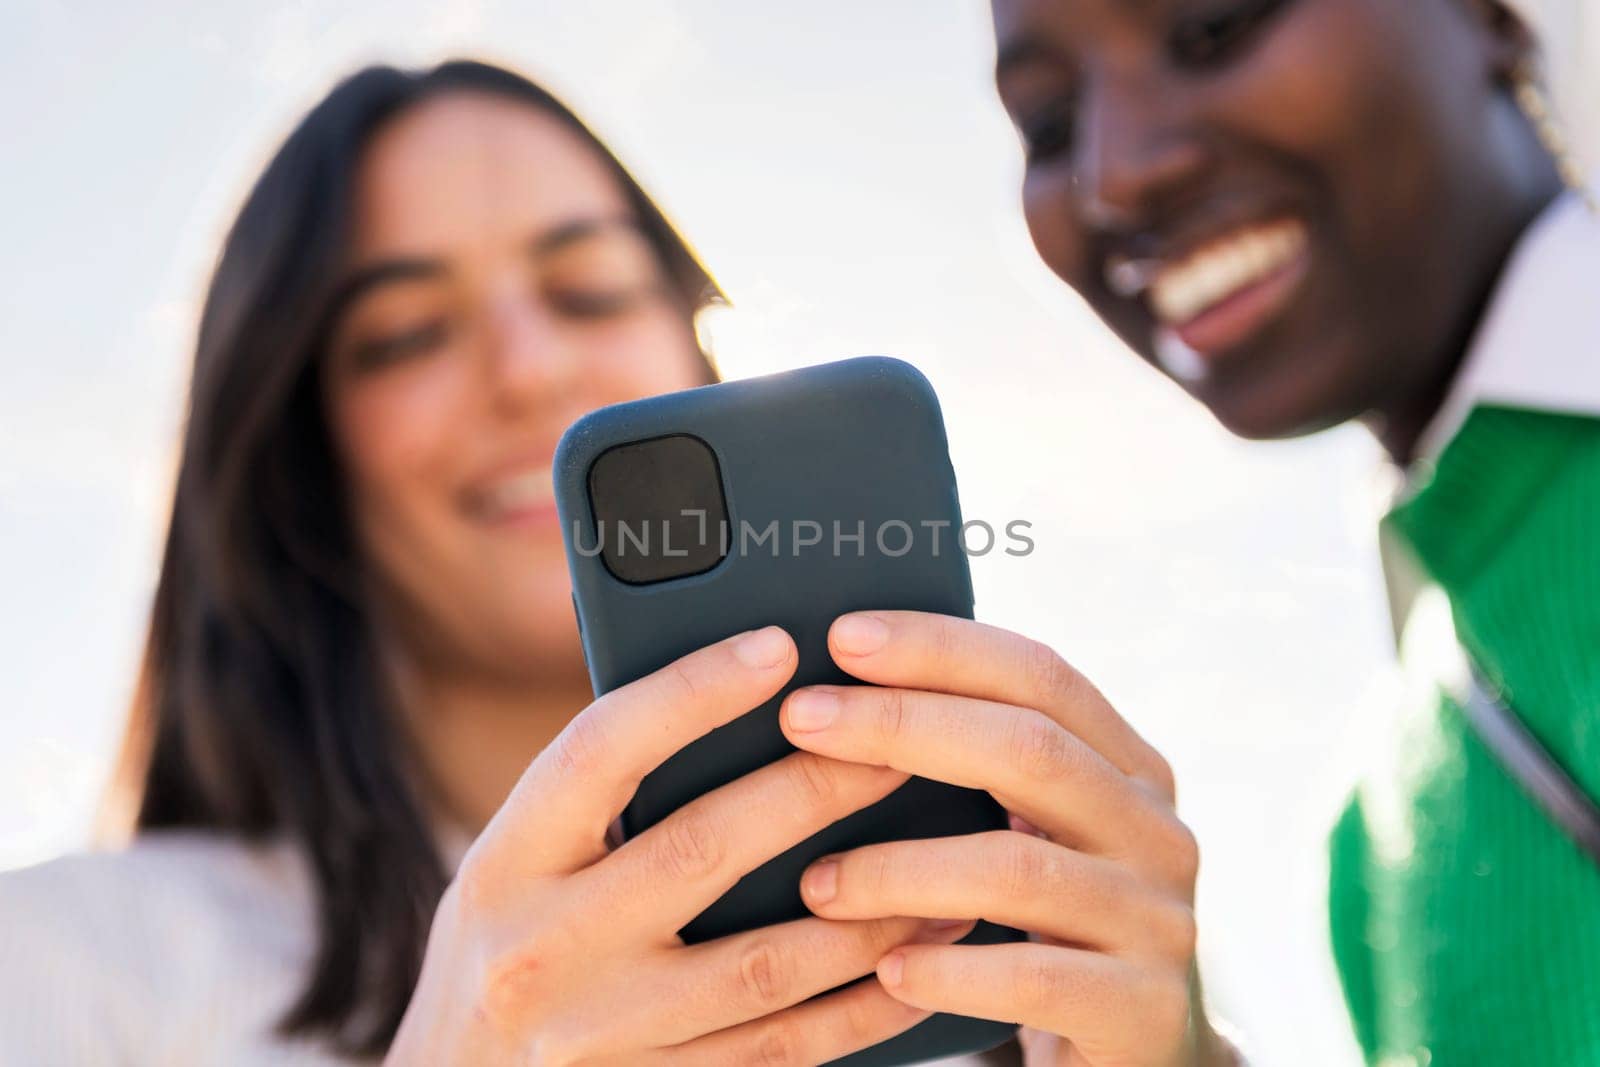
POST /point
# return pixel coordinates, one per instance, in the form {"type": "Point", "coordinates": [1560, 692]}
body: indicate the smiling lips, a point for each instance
{"type": "Point", "coordinates": [524, 497]}
{"type": "Point", "coordinates": [1220, 294]}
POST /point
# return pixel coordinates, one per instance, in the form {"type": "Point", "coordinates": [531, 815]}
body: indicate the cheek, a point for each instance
{"type": "Point", "coordinates": [1297, 92]}
{"type": "Point", "coordinates": [1047, 205]}
{"type": "Point", "coordinates": [1367, 97]}
{"type": "Point", "coordinates": [395, 434]}
{"type": "Point", "coordinates": [1341, 97]}
{"type": "Point", "coordinates": [647, 355]}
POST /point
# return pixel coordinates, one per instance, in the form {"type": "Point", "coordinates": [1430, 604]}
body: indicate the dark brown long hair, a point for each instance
{"type": "Point", "coordinates": [261, 709]}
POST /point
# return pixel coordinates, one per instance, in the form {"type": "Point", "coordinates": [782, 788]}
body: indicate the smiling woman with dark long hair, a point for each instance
{"type": "Point", "coordinates": [361, 525]}
{"type": "Point", "coordinates": [371, 796]}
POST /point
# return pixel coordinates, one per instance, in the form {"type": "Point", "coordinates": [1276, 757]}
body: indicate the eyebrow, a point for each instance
{"type": "Point", "coordinates": [416, 268]}
{"type": "Point", "coordinates": [383, 272]}
{"type": "Point", "coordinates": [1026, 45]}
{"type": "Point", "coordinates": [568, 233]}
{"type": "Point", "coordinates": [1019, 52]}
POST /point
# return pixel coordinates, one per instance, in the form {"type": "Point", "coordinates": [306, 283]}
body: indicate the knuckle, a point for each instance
{"type": "Point", "coordinates": [859, 1023]}
{"type": "Point", "coordinates": [1181, 852]}
{"type": "Point", "coordinates": [892, 713]}
{"type": "Point", "coordinates": [513, 981]}
{"type": "Point", "coordinates": [681, 682]}
{"type": "Point", "coordinates": [1180, 932]}
{"type": "Point", "coordinates": [521, 981]}
{"type": "Point", "coordinates": [814, 778]}
{"type": "Point", "coordinates": [1158, 774]}
{"type": "Point", "coordinates": [579, 751]}
{"type": "Point", "coordinates": [1116, 891]}
{"type": "Point", "coordinates": [872, 870]}
{"type": "Point", "coordinates": [690, 847]}
{"type": "Point", "coordinates": [766, 976]}
{"type": "Point", "coordinates": [778, 1044]}
{"type": "Point", "coordinates": [1039, 749]}
{"type": "Point", "coordinates": [1045, 670]}
{"type": "Point", "coordinates": [944, 639]}
{"type": "Point", "coordinates": [1037, 984]}
{"type": "Point", "coordinates": [1023, 868]}
{"type": "Point", "coordinates": [1167, 1004]}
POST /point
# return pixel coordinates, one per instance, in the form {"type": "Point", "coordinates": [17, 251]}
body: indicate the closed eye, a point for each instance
{"type": "Point", "coordinates": [393, 348]}
{"type": "Point", "coordinates": [1048, 131]}
{"type": "Point", "coordinates": [596, 302]}
{"type": "Point", "coordinates": [1215, 37]}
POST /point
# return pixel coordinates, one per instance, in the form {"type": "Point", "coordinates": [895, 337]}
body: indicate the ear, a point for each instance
{"type": "Point", "coordinates": [1511, 48]}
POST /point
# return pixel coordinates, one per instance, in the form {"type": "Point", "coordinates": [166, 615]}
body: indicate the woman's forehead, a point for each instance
{"type": "Point", "coordinates": [474, 170]}
{"type": "Point", "coordinates": [1036, 27]}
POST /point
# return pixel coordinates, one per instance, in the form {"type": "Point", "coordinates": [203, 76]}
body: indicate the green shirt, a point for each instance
{"type": "Point", "coordinates": [1465, 925]}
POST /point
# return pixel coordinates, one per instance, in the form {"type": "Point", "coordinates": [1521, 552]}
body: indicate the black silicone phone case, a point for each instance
{"type": "Point", "coordinates": [860, 440]}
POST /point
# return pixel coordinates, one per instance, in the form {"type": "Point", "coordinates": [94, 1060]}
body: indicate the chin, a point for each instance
{"type": "Point", "coordinates": [1254, 423]}
{"type": "Point", "coordinates": [1275, 422]}
{"type": "Point", "coordinates": [545, 647]}
{"type": "Point", "coordinates": [533, 617]}
{"type": "Point", "coordinates": [1311, 392]}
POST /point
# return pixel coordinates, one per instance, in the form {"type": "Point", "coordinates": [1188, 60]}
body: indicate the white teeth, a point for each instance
{"type": "Point", "coordinates": [1130, 277]}
{"type": "Point", "coordinates": [1178, 359]}
{"type": "Point", "coordinates": [1181, 291]}
{"type": "Point", "coordinates": [527, 489]}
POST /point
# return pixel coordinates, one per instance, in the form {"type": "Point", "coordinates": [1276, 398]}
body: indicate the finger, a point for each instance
{"type": "Point", "coordinates": [1027, 761]}
{"type": "Point", "coordinates": [917, 650]}
{"type": "Point", "coordinates": [1023, 826]}
{"type": "Point", "coordinates": [1040, 1047]}
{"type": "Point", "coordinates": [1106, 1007]}
{"type": "Point", "coordinates": [659, 880]}
{"type": "Point", "coordinates": [556, 817]}
{"type": "Point", "coordinates": [1007, 878]}
{"type": "Point", "coordinates": [709, 987]}
{"type": "Point", "coordinates": [817, 1031]}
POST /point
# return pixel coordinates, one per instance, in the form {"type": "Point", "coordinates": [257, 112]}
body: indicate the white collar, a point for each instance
{"type": "Point", "coordinates": [1539, 344]}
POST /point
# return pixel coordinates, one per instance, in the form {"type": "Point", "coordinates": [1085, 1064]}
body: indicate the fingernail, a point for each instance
{"type": "Point", "coordinates": [860, 635]}
{"type": "Point", "coordinates": [891, 969]}
{"type": "Point", "coordinates": [762, 649]}
{"type": "Point", "coordinates": [820, 884]}
{"type": "Point", "coordinates": [1023, 826]}
{"type": "Point", "coordinates": [941, 931]}
{"type": "Point", "coordinates": [812, 709]}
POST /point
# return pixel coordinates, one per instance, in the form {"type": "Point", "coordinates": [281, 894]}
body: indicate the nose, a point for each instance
{"type": "Point", "coordinates": [1136, 149]}
{"type": "Point", "coordinates": [532, 359]}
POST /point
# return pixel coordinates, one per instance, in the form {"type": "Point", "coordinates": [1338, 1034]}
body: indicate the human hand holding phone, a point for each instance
{"type": "Point", "coordinates": [787, 499]}
{"type": "Point", "coordinates": [549, 947]}
{"type": "Point", "coordinates": [1097, 866]}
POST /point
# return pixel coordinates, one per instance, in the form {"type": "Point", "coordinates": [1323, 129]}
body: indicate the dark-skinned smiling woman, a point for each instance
{"type": "Point", "coordinates": [1307, 212]}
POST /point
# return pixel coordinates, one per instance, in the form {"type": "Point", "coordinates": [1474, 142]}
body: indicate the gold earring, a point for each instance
{"type": "Point", "coordinates": [1530, 96]}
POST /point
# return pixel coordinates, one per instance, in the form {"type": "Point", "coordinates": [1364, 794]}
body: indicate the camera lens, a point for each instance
{"type": "Point", "coordinates": [659, 509]}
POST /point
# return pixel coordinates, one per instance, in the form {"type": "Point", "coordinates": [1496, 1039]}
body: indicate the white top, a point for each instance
{"type": "Point", "coordinates": [184, 948]}
{"type": "Point", "coordinates": [1538, 346]}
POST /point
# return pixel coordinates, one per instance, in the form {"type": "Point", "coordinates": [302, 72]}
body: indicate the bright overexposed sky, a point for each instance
{"type": "Point", "coordinates": [845, 171]}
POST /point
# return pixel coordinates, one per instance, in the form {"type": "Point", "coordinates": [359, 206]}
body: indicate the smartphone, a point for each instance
{"type": "Point", "coordinates": [785, 500]}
